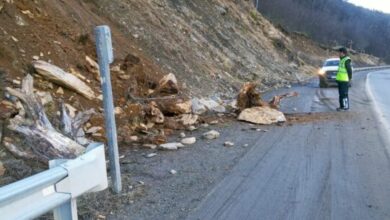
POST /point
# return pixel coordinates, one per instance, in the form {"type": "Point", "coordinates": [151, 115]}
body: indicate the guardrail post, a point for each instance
{"type": "Point", "coordinates": [105, 56]}
{"type": "Point", "coordinates": [67, 210]}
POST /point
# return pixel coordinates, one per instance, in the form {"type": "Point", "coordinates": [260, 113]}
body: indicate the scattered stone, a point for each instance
{"type": "Point", "coordinates": [228, 144]}
{"type": "Point", "coordinates": [173, 172]}
{"type": "Point", "coordinates": [134, 138]}
{"type": "Point", "coordinates": [118, 111]}
{"type": "Point", "coordinates": [205, 125]}
{"type": "Point", "coordinates": [141, 182]}
{"type": "Point", "coordinates": [14, 39]}
{"type": "Point", "coordinates": [214, 122]}
{"type": "Point", "coordinates": [197, 107]}
{"type": "Point", "coordinates": [182, 135]}
{"type": "Point", "coordinates": [35, 57]}
{"type": "Point", "coordinates": [154, 114]}
{"type": "Point", "coordinates": [189, 119]}
{"type": "Point", "coordinates": [213, 134]}
{"type": "Point", "coordinates": [60, 91]}
{"type": "Point", "coordinates": [100, 97]}
{"type": "Point", "coordinates": [171, 146]}
{"type": "Point", "coordinates": [93, 130]}
{"type": "Point", "coordinates": [45, 97]}
{"type": "Point", "coordinates": [191, 128]}
{"type": "Point", "coordinates": [72, 110]}
{"type": "Point", "coordinates": [20, 21]}
{"type": "Point", "coordinates": [262, 115]}
{"type": "Point", "coordinates": [150, 155]}
{"type": "Point", "coordinates": [16, 82]}
{"type": "Point", "coordinates": [150, 146]}
{"type": "Point", "coordinates": [188, 141]}
{"type": "Point", "coordinates": [212, 105]}
{"type": "Point", "coordinates": [246, 145]}
{"type": "Point", "coordinates": [168, 85]}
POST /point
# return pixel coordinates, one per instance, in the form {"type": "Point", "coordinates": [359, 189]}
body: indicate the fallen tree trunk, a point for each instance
{"type": "Point", "coordinates": [43, 139]}
{"type": "Point", "coordinates": [60, 77]}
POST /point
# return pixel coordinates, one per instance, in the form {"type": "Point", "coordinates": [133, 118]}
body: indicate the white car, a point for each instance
{"type": "Point", "coordinates": [327, 74]}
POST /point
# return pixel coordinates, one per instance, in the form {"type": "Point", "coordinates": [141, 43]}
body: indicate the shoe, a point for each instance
{"type": "Point", "coordinates": [342, 109]}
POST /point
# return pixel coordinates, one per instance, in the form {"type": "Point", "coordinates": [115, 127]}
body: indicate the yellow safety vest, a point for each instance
{"type": "Point", "coordinates": [342, 73]}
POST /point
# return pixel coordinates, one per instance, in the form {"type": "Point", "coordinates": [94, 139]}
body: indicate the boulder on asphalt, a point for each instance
{"type": "Point", "coordinates": [188, 141]}
{"type": "Point", "coordinates": [213, 134]}
{"type": "Point", "coordinates": [171, 146]}
{"type": "Point", "coordinates": [261, 115]}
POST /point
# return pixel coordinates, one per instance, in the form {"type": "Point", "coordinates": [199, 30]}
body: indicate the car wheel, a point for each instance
{"type": "Point", "coordinates": [323, 84]}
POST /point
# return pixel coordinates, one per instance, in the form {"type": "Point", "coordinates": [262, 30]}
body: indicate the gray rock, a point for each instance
{"type": "Point", "coordinates": [211, 135]}
{"type": "Point", "coordinates": [188, 141]}
{"type": "Point", "coordinates": [171, 146]}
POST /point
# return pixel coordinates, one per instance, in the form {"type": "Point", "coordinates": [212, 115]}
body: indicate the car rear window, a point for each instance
{"type": "Point", "coordinates": [331, 63]}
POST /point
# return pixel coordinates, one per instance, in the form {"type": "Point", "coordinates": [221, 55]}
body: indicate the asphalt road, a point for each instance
{"type": "Point", "coordinates": [338, 168]}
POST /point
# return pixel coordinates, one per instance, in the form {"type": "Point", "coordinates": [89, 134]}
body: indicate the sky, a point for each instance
{"type": "Point", "coordinates": [380, 5]}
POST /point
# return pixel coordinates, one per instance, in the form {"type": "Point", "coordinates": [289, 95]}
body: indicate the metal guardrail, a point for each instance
{"type": "Point", "coordinates": [57, 188]}
{"type": "Point", "coordinates": [371, 68]}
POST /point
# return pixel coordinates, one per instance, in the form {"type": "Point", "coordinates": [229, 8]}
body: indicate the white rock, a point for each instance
{"type": "Point", "coordinates": [118, 110]}
{"type": "Point", "coordinates": [60, 91]}
{"type": "Point", "coordinates": [188, 119]}
{"type": "Point", "coordinates": [191, 128]}
{"type": "Point", "coordinates": [262, 115]}
{"type": "Point", "coordinates": [151, 155]}
{"type": "Point", "coordinates": [171, 146]}
{"type": "Point", "coordinates": [188, 141]}
{"type": "Point", "coordinates": [211, 135]}
{"type": "Point", "coordinates": [197, 107]}
{"type": "Point", "coordinates": [228, 144]}
{"type": "Point", "coordinates": [14, 39]}
{"type": "Point", "coordinates": [150, 146]}
{"type": "Point", "coordinates": [214, 122]}
{"type": "Point", "coordinates": [134, 138]}
{"type": "Point", "coordinates": [72, 110]}
{"type": "Point", "coordinates": [246, 145]}
{"type": "Point", "coordinates": [182, 135]}
{"type": "Point", "coordinates": [35, 57]}
{"type": "Point", "coordinates": [16, 82]}
{"type": "Point", "coordinates": [45, 97]}
{"type": "Point", "coordinates": [173, 172]}
{"type": "Point", "coordinates": [93, 130]}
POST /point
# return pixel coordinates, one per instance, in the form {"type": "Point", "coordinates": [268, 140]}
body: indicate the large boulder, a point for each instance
{"type": "Point", "coordinates": [262, 115]}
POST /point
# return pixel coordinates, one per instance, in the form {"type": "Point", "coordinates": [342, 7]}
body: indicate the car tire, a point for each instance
{"type": "Point", "coordinates": [323, 84]}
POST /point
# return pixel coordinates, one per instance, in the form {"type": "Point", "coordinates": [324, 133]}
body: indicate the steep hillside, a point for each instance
{"type": "Point", "coordinates": [333, 22]}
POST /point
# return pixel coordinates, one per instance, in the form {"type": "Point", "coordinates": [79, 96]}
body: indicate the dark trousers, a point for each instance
{"type": "Point", "coordinates": [343, 94]}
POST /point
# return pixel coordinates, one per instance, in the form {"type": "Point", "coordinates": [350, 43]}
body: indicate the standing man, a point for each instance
{"type": "Point", "coordinates": [343, 77]}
